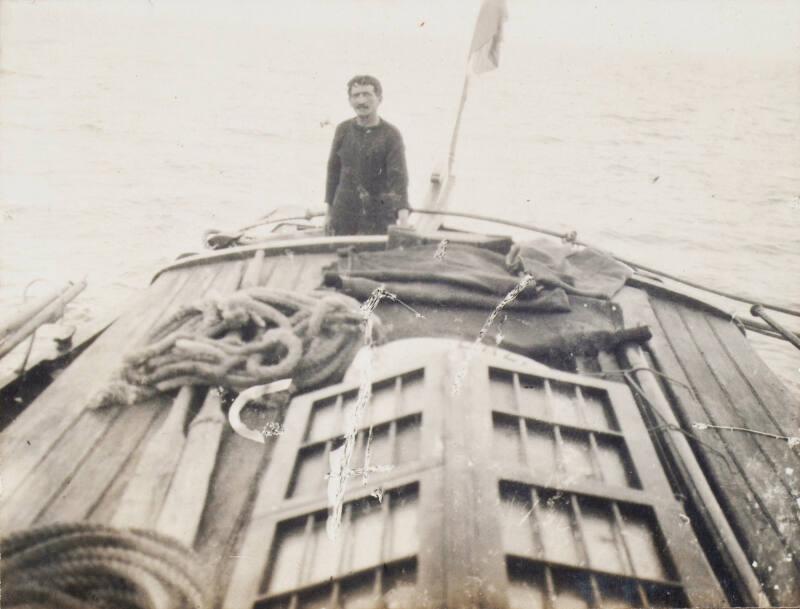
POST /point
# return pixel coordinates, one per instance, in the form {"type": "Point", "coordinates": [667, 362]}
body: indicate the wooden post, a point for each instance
{"type": "Point", "coordinates": [183, 508]}
{"type": "Point", "coordinates": [145, 492]}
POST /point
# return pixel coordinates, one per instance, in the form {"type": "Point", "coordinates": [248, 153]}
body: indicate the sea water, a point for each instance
{"type": "Point", "coordinates": [666, 132]}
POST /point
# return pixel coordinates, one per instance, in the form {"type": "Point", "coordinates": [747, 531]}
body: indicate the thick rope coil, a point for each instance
{"type": "Point", "coordinates": [94, 566]}
{"type": "Point", "coordinates": [251, 337]}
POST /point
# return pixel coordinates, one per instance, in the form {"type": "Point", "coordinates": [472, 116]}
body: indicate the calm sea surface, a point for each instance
{"type": "Point", "coordinates": [665, 131]}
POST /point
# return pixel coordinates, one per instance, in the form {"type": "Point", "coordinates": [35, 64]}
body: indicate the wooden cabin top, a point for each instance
{"type": "Point", "coordinates": [653, 473]}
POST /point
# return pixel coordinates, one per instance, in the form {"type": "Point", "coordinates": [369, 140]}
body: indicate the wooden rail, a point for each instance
{"type": "Point", "coordinates": [40, 312]}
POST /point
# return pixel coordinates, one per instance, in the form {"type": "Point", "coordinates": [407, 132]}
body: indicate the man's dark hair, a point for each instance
{"type": "Point", "coordinates": [363, 80]}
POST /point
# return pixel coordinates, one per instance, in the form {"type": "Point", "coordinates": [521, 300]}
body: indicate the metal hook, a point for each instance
{"type": "Point", "coordinates": [247, 396]}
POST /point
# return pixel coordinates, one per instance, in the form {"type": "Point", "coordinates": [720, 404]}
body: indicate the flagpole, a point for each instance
{"type": "Point", "coordinates": [451, 157]}
{"type": "Point", "coordinates": [485, 41]}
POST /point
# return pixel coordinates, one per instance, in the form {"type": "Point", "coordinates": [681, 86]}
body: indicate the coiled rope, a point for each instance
{"type": "Point", "coordinates": [84, 565]}
{"type": "Point", "coordinates": [251, 337]}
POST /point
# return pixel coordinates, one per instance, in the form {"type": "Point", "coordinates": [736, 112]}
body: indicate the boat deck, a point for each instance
{"type": "Point", "coordinates": [64, 462]}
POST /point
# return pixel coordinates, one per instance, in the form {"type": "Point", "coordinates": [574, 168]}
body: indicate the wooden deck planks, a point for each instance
{"type": "Point", "coordinates": [30, 438]}
{"type": "Point", "coordinates": [776, 401]}
{"type": "Point", "coordinates": [90, 482]}
{"type": "Point", "coordinates": [32, 434]}
{"type": "Point", "coordinates": [67, 451]}
{"type": "Point", "coordinates": [722, 546]}
{"type": "Point", "coordinates": [751, 410]}
{"type": "Point", "coordinates": [730, 401]}
{"type": "Point", "coordinates": [740, 492]}
{"type": "Point", "coordinates": [55, 469]}
{"type": "Point", "coordinates": [102, 510]}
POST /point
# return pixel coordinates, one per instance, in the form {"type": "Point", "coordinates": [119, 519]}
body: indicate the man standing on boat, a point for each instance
{"type": "Point", "coordinates": [367, 185]}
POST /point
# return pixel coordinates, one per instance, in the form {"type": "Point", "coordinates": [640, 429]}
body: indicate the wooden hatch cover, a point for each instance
{"type": "Point", "coordinates": [492, 481]}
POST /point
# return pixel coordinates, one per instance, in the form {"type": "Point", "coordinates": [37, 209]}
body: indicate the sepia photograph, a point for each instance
{"type": "Point", "coordinates": [382, 304]}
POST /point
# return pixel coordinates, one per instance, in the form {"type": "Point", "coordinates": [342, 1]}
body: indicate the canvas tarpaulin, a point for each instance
{"type": "Point", "coordinates": [464, 275]}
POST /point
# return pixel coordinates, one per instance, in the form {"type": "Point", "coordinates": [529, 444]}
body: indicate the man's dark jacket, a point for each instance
{"type": "Point", "coordinates": [367, 178]}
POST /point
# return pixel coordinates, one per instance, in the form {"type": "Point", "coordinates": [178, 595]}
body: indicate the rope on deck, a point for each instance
{"type": "Point", "coordinates": [254, 336]}
{"type": "Point", "coordinates": [92, 566]}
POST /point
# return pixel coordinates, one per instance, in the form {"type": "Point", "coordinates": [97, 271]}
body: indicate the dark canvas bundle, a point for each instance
{"type": "Point", "coordinates": [585, 271]}
{"type": "Point", "coordinates": [465, 275]}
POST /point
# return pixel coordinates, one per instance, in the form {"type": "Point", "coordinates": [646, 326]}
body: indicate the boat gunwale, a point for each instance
{"type": "Point", "coordinates": [313, 245]}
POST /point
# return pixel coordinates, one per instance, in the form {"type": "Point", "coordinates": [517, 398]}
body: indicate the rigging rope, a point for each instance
{"type": "Point", "coordinates": [92, 566]}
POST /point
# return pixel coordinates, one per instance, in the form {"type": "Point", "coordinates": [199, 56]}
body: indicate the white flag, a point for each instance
{"type": "Point", "coordinates": [484, 52]}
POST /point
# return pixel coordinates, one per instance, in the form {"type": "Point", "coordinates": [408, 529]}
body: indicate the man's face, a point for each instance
{"type": "Point", "coordinates": [364, 100]}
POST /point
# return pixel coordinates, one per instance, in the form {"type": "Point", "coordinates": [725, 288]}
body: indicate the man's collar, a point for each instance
{"type": "Point", "coordinates": [357, 124]}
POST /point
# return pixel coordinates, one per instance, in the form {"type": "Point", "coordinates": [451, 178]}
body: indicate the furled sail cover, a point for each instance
{"type": "Point", "coordinates": [465, 275]}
